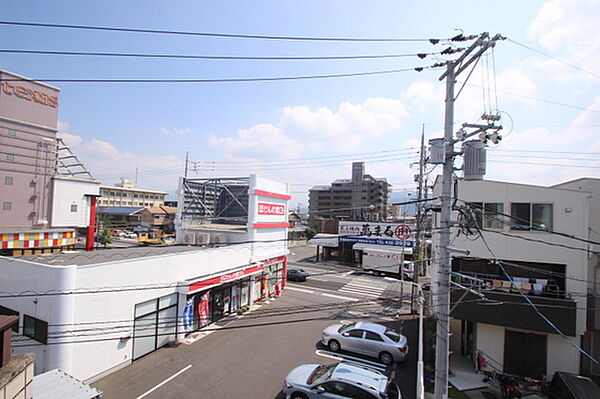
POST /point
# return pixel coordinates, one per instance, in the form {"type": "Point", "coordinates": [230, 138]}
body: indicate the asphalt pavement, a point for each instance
{"type": "Point", "coordinates": [250, 356]}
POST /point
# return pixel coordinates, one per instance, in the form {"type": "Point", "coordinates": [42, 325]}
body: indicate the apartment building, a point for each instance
{"type": "Point", "coordinates": [126, 194]}
{"type": "Point", "coordinates": [363, 197]}
{"type": "Point", "coordinates": [537, 236]}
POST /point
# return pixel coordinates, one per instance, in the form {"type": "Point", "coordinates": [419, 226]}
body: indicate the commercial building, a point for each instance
{"type": "Point", "coordinates": [46, 192]}
{"type": "Point", "coordinates": [126, 194]}
{"type": "Point", "coordinates": [363, 197]}
{"type": "Point", "coordinates": [91, 313]}
{"type": "Point", "coordinates": [539, 236]}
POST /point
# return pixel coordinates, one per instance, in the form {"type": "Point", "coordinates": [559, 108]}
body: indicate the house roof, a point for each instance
{"type": "Point", "coordinates": [169, 210]}
{"type": "Point", "coordinates": [55, 384]}
{"type": "Point", "coordinates": [118, 210]}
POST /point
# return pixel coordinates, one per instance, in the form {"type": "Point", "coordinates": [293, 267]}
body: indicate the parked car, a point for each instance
{"type": "Point", "coordinates": [130, 234]}
{"type": "Point", "coordinates": [366, 338]}
{"type": "Point", "coordinates": [338, 380]}
{"type": "Point", "coordinates": [297, 275]}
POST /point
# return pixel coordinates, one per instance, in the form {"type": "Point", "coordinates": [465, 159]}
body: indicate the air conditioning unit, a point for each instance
{"type": "Point", "coordinates": [219, 238]}
{"type": "Point", "coordinates": [189, 239]}
{"type": "Point", "coordinates": [202, 238]}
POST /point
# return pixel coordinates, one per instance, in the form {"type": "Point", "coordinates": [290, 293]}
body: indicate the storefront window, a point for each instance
{"type": "Point", "coordinates": [235, 297]}
{"type": "Point", "coordinates": [245, 293]}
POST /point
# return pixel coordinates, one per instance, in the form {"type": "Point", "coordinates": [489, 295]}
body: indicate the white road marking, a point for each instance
{"type": "Point", "coordinates": [351, 359]}
{"type": "Point", "coordinates": [318, 279]}
{"type": "Point", "coordinates": [165, 381]}
{"type": "Point", "coordinates": [299, 289]}
{"type": "Point", "coordinates": [340, 297]}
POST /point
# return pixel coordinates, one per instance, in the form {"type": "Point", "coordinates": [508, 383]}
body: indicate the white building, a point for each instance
{"type": "Point", "coordinates": [90, 313]}
{"type": "Point", "coordinates": [517, 221]}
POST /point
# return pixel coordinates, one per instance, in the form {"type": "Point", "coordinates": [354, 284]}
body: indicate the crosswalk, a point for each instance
{"type": "Point", "coordinates": [365, 287]}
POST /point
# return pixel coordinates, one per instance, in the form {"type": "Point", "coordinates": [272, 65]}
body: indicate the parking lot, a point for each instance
{"type": "Point", "coordinates": [250, 356]}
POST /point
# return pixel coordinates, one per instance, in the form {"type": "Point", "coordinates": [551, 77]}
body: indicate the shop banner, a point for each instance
{"type": "Point", "coordinates": [188, 315]}
{"type": "Point", "coordinates": [203, 308]}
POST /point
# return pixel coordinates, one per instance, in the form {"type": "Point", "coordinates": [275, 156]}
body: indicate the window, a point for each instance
{"type": "Point", "coordinates": [541, 216]}
{"type": "Point", "coordinates": [526, 216]}
{"type": "Point", "coordinates": [7, 205]}
{"type": "Point", "coordinates": [12, 133]}
{"type": "Point", "coordinates": [355, 333]}
{"type": "Point", "coordinates": [492, 212]}
{"type": "Point", "coordinates": [73, 207]}
{"type": "Point", "coordinates": [10, 157]}
{"type": "Point", "coordinates": [8, 180]}
{"type": "Point", "coordinates": [10, 312]}
{"type": "Point", "coordinates": [373, 336]}
{"type": "Point", "coordinates": [35, 329]}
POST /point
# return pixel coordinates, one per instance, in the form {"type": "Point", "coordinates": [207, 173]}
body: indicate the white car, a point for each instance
{"type": "Point", "coordinates": [338, 380]}
{"type": "Point", "coordinates": [130, 234]}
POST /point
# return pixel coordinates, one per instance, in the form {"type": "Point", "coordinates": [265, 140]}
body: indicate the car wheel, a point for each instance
{"type": "Point", "coordinates": [298, 395]}
{"type": "Point", "coordinates": [386, 358]}
{"type": "Point", "coordinates": [334, 345]}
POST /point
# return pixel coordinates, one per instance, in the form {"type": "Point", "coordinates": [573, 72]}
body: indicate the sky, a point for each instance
{"type": "Point", "coordinates": [307, 132]}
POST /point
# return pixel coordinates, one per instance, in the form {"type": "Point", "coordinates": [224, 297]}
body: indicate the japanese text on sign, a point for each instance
{"type": "Point", "coordinates": [270, 209]}
{"type": "Point", "coordinates": [375, 230]}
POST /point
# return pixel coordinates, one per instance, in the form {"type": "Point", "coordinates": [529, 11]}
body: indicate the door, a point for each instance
{"type": "Point", "coordinates": [373, 344]}
{"type": "Point", "coordinates": [353, 341]}
{"type": "Point", "coordinates": [217, 305]}
{"type": "Point", "coordinates": [525, 354]}
{"type": "Point", "coordinates": [144, 335]}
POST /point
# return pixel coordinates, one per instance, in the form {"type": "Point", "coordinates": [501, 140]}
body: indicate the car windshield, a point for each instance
{"type": "Point", "coordinates": [393, 335]}
{"type": "Point", "coordinates": [392, 391]}
{"type": "Point", "coordinates": [321, 374]}
{"type": "Point", "coordinates": [346, 327]}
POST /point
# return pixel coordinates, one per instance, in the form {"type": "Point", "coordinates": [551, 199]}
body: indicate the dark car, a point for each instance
{"type": "Point", "coordinates": [296, 275]}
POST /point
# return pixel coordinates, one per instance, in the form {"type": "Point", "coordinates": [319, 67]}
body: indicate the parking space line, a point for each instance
{"type": "Point", "coordinates": [164, 382]}
{"type": "Point", "coordinates": [352, 359]}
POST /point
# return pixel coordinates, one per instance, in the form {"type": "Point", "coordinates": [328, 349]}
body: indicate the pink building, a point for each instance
{"type": "Point", "coordinates": [44, 193]}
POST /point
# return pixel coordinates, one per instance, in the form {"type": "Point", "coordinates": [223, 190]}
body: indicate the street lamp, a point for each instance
{"type": "Point", "coordinates": [420, 376]}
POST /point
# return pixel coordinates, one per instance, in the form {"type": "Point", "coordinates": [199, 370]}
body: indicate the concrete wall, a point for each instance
{"type": "Point", "coordinates": [20, 385]}
{"type": "Point", "coordinates": [66, 192]}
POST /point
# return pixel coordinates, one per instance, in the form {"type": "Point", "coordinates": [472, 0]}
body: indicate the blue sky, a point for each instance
{"type": "Point", "coordinates": [244, 126]}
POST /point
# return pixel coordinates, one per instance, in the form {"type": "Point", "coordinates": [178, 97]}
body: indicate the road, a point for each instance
{"type": "Point", "coordinates": [250, 356]}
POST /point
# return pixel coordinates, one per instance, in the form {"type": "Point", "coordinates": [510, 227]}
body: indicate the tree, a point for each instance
{"type": "Point", "coordinates": [105, 238]}
{"type": "Point", "coordinates": [310, 233]}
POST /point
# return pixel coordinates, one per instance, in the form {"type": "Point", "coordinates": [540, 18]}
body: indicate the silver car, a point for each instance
{"type": "Point", "coordinates": [366, 338]}
{"type": "Point", "coordinates": [338, 380]}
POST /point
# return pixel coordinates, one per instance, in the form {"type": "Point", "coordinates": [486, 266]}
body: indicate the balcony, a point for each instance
{"type": "Point", "coordinates": [543, 283]}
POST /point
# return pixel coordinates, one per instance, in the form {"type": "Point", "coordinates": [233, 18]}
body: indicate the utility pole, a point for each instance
{"type": "Point", "coordinates": [186, 164]}
{"type": "Point", "coordinates": [442, 288]}
{"type": "Point", "coordinates": [419, 224]}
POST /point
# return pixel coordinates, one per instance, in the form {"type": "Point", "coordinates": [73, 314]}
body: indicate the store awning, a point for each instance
{"type": "Point", "coordinates": [388, 249]}
{"type": "Point", "coordinates": [325, 240]}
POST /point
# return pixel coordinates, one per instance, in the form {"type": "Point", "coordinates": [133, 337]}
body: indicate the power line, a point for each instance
{"type": "Point", "coordinates": [540, 99]}
{"type": "Point", "coordinates": [228, 80]}
{"type": "Point", "coordinates": [223, 35]}
{"type": "Point", "coordinates": [218, 57]}
{"type": "Point", "coordinates": [554, 58]}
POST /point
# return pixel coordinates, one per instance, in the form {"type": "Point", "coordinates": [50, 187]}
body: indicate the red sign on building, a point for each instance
{"type": "Point", "coordinates": [265, 208]}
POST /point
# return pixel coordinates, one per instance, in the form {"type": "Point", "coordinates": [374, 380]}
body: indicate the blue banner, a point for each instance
{"type": "Point", "coordinates": [379, 241]}
{"type": "Point", "coordinates": [188, 315]}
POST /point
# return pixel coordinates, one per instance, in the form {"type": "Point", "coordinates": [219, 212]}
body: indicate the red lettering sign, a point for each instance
{"type": "Point", "coordinates": [200, 285]}
{"type": "Point", "coordinates": [265, 208]}
{"type": "Point", "coordinates": [30, 95]}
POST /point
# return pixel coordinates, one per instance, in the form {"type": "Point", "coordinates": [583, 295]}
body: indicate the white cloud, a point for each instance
{"type": "Point", "coordinates": [175, 132]}
{"type": "Point", "coordinates": [567, 27]}
{"type": "Point", "coordinates": [260, 142]}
